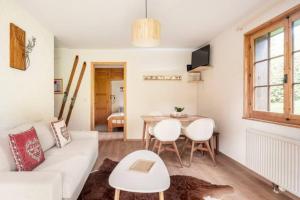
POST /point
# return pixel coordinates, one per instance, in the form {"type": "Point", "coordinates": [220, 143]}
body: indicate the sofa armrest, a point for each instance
{"type": "Point", "coordinates": [84, 135]}
{"type": "Point", "coordinates": [31, 185]}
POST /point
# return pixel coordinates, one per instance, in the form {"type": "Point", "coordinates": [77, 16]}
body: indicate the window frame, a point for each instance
{"type": "Point", "coordinates": [287, 118]}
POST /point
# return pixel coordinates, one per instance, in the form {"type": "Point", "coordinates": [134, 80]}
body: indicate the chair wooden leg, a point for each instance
{"type": "Point", "coordinates": [144, 132]}
{"type": "Point", "coordinates": [159, 147]}
{"type": "Point", "coordinates": [212, 145]}
{"type": "Point", "coordinates": [202, 146]}
{"type": "Point", "coordinates": [192, 152]}
{"type": "Point", "coordinates": [184, 145]}
{"type": "Point", "coordinates": [154, 145]}
{"type": "Point", "coordinates": [210, 152]}
{"type": "Point", "coordinates": [150, 141]}
{"type": "Point", "coordinates": [177, 153]}
{"type": "Point", "coordinates": [147, 139]}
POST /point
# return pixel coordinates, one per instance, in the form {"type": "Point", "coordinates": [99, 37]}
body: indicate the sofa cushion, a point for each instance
{"type": "Point", "coordinates": [26, 149]}
{"type": "Point", "coordinates": [73, 169]}
{"type": "Point", "coordinates": [61, 133]}
{"type": "Point", "coordinates": [74, 162]}
{"type": "Point", "coordinates": [7, 162]}
{"type": "Point", "coordinates": [43, 131]}
{"type": "Point", "coordinates": [84, 147]}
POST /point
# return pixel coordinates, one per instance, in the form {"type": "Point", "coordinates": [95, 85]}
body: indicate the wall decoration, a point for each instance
{"type": "Point", "coordinates": [58, 86]}
{"type": "Point", "coordinates": [29, 47]}
{"type": "Point", "coordinates": [17, 47]}
{"type": "Point", "coordinates": [163, 77]}
{"type": "Point", "coordinates": [19, 51]}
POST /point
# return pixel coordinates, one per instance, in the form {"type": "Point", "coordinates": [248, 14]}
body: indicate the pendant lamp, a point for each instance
{"type": "Point", "coordinates": [146, 31]}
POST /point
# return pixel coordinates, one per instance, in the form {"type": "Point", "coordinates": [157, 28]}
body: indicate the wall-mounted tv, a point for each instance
{"type": "Point", "coordinates": [200, 57]}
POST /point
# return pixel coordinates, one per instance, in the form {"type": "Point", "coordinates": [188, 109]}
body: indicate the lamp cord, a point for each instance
{"type": "Point", "coordinates": [146, 8]}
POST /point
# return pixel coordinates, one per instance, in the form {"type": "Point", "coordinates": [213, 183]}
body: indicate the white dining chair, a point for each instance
{"type": "Point", "coordinates": [166, 133]}
{"type": "Point", "coordinates": [199, 133]}
{"type": "Point", "coordinates": [152, 124]}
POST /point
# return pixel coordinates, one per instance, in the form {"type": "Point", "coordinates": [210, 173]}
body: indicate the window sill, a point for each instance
{"type": "Point", "coordinates": [272, 122]}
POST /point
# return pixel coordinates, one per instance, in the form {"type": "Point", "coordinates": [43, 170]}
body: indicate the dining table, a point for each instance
{"type": "Point", "coordinates": [185, 121]}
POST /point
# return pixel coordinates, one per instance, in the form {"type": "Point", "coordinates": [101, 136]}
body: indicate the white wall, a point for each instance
{"type": "Point", "coordinates": [221, 93]}
{"type": "Point", "coordinates": [142, 96]}
{"type": "Point", "coordinates": [118, 94]}
{"type": "Point", "coordinates": [25, 95]}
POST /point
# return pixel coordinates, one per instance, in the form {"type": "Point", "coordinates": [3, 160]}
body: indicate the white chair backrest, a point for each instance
{"type": "Point", "coordinates": [167, 130]}
{"type": "Point", "coordinates": [201, 129]}
{"type": "Point", "coordinates": [155, 113]}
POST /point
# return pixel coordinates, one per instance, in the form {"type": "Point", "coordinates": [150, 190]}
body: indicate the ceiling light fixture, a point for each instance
{"type": "Point", "coordinates": [146, 31]}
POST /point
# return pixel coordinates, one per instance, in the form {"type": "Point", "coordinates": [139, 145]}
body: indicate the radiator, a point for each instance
{"type": "Point", "coordinates": [275, 158]}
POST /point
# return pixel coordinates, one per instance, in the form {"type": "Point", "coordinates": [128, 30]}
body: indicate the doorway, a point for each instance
{"type": "Point", "coordinates": [109, 99]}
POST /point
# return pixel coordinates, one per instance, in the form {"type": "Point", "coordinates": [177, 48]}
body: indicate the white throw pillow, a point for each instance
{"type": "Point", "coordinates": [43, 131]}
{"type": "Point", "coordinates": [61, 133]}
{"type": "Point", "coordinates": [7, 162]}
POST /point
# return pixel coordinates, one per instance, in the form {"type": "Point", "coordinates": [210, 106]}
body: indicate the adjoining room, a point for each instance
{"type": "Point", "coordinates": [108, 101]}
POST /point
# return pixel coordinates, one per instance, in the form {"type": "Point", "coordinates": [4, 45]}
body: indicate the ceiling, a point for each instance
{"type": "Point", "coordinates": [104, 24]}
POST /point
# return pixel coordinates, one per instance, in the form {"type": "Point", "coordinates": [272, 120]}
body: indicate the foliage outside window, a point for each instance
{"type": "Point", "coordinates": [272, 70]}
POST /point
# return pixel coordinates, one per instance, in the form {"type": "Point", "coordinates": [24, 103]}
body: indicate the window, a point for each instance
{"type": "Point", "coordinates": [296, 66]}
{"type": "Point", "coordinates": [272, 70]}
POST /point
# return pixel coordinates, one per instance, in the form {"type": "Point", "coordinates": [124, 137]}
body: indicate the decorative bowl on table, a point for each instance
{"type": "Point", "coordinates": [178, 112]}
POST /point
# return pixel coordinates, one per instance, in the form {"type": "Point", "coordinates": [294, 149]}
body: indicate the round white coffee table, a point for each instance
{"type": "Point", "coordinates": [157, 180]}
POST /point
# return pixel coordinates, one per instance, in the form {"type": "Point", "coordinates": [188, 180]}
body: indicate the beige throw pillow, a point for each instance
{"type": "Point", "coordinates": [61, 133]}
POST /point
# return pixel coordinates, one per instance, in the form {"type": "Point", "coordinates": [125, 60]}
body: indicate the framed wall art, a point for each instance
{"type": "Point", "coordinates": [58, 86]}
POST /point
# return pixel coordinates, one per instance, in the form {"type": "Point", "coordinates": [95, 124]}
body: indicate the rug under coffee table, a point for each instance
{"type": "Point", "coordinates": [181, 188]}
{"type": "Point", "coordinates": [157, 180]}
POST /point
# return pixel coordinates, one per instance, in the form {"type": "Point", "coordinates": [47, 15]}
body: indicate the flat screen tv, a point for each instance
{"type": "Point", "coordinates": [200, 57]}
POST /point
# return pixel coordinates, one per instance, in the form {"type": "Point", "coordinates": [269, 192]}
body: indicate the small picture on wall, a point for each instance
{"type": "Point", "coordinates": [58, 86]}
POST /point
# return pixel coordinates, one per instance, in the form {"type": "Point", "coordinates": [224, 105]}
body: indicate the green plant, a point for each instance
{"type": "Point", "coordinates": [178, 109]}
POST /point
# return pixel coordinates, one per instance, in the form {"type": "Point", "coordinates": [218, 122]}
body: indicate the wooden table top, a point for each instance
{"type": "Point", "coordinates": [188, 118]}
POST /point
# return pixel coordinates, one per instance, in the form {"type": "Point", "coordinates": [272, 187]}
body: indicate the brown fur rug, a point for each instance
{"type": "Point", "coordinates": [181, 188]}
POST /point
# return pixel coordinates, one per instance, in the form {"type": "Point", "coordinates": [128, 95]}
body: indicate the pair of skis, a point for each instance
{"type": "Point", "coordinates": [66, 93]}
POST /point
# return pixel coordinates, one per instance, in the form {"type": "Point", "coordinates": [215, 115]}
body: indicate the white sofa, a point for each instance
{"type": "Point", "coordinates": [61, 176]}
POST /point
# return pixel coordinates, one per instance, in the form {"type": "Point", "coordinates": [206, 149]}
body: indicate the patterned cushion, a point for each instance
{"type": "Point", "coordinates": [61, 133]}
{"type": "Point", "coordinates": [26, 149]}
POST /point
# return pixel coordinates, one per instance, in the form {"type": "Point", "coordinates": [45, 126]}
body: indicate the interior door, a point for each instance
{"type": "Point", "coordinates": [102, 95]}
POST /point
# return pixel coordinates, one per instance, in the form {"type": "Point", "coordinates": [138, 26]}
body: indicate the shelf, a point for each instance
{"type": "Point", "coordinates": [200, 69]}
{"type": "Point", "coordinates": [194, 78]}
{"type": "Point", "coordinates": [197, 81]}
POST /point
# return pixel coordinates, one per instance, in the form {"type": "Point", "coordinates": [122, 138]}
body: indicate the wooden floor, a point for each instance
{"type": "Point", "coordinates": [246, 186]}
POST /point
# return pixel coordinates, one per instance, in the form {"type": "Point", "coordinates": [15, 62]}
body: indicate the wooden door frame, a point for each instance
{"type": "Point", "coordinates": [107, 65]}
